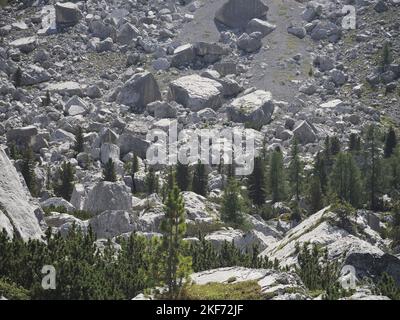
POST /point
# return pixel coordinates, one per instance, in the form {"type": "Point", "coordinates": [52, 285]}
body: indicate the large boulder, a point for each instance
{"type": "Point", "coordinates": [305, 132]}
{"type": "Point", "coordinates": [196, 92]}
{"type": "Point", "coordinates": [237, 13]}
{"type": "Point", "coordinates": [109, 151]}
{"type": "Point", "coordinates": [255, 108]}
{"type": "Point", "coordinates": [23, 137]}
{"type": "Point", "coordinates": [365, 252]}
{"type": "Point", "coordinates": [18, 215]}
{"type": "Point", "coordinates": [138, 91]}
{"type": "Point", "coordinates": [126, 33]}
{"type": "Point", "coordinates": [67, 13]}
{"type": "Point", "coordinates": [258, 25]}
{"type": "Point", "coordinates": [108, 196]}
{"type": "Point", "coordinates": [25, 45]}
{"type": "Point", "coordinates": [113, 223]}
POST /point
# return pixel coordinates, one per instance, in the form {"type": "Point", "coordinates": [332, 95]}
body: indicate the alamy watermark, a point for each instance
{"type": "Point", "coordinates": [209, 146]}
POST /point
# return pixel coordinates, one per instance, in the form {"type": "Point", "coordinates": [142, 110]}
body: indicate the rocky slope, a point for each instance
{"type": "Point", "coordinates": [121, 68]}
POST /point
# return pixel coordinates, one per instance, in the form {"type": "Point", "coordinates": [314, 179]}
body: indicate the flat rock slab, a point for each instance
{"type": "Point", "coordinates": [196, 92]}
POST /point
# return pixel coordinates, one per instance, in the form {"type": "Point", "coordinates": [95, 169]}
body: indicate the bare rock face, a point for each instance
{"type": "Point", "coordinates": [17, 213]}
{"type": "Point", "coordinates": [138, 91]}
{"type": "Point", "coordinates": [67, 13]}
{"type": "Point", "coordinates": [196, 92]}
{"type": "Point", "coordinates": [108, 196]}
{"type": "Point", "coordinates": [113, 223]}
{"type": "Point", "coordinates": [237, 13]}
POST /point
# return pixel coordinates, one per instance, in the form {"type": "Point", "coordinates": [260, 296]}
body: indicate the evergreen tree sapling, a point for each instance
{"type": "Point", "coordinates": [200, 179]}
{"type": "Point", "coordinates": [277, 177]}
{"type": "Point", "coordinates": [109, 173]}
{"type": "Point", "coordinates": [233, 204]}
{"type": "Point", "coordinates": [183, 176]}
{"type": "Point", "coordinates": [257, 183]}
{"type": "Point", "coordinates": [28, 171]}
{"type": "Point", "coordinates": [296, 171]}
{"type": "Point", "coordinates": [173, 227]}
{"type": "Point", "coordinates": [65, 185]}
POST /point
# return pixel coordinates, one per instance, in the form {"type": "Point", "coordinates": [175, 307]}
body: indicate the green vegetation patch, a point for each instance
{"type": "Point", "coordinates": [245, 290]}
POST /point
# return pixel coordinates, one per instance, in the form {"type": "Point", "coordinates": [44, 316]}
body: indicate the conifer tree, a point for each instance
{"type": "Point", "coordinates": [394, 171]}
{"type": "Point", "coordinates": [373, 168]}
{"type": "Point", "coordinates": [183, 177]}
{"type": "Point", "coordinates": [173, 227]}
{"type": "Point", "coordinates": [345, 179]}
{"type": "Point", "coordinates": [386, 57]}
{"type": "Point", "coordinates": [296, 171]}
{"type": "Point", "coordinates": [151, 182]}
{"type": "Point", "coordinates": [320, 170]}
{"type": "Point", "coordinates": [200, 179]}
{"type": "Point", "coordinates": [334, 146]}
{"type": "Point", "coordinates": [395, 225]}
{"type": "Point", "coordinates": [18, 77]}
{"type": "Point", "coordinates": [109, 173]}
{"type": "Point", "coordinates": [133, 169]}
{"type": "Point", "coordinates": [354, 142]}
{"type": "Point", "coordinates": [28, 171]}
{"type": "Point", "coordinates": [47, 99]}
{"type": "Point", "coordinates": [79, 143]}
{"type": "Point", "coordinates": [233, 204]}
{"type": "Point", "coordinates": [277, 176]}
{"type": "Point", "coordinates": [390, 143]}
{"type": "Point", "coordinates": [257, 183]}
{"type": "Point", "coordinates": [65, 185]}
{"type": "Point", "coordinates": [315, 195]}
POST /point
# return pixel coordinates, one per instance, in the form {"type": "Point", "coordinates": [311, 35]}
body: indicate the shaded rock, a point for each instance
{"type": "Point", "coordinates": [138, 91]}
{"type": "Point", "coordinates": [237, 13]}
{"type": "Point", "coordinates": [305, 132]}
{"type": "Point", "coordinates": [67, 13]}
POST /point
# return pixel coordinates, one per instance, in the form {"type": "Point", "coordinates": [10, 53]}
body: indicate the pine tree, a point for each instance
{"type": "Point", "coordinates": [277, 177]}
{"type": "Point", "coordinates": [296, 171]}
{"type": "Point", "coordinates": [28, 171]}
{"type": "Point", "coordinates": [79, 143]}
{"type": "Point", "coordinates": [151, 182]}
{"type": "Point", "coordinates": [133, 168]}
{"type": "Point", "coordinates": [47, 99]}
{"type": "Point", "coordinates": [173, 227]}
{"type": "Point", "coordinates": [390, 143]}
{"type": "Point", "coordinates": [183, 177]}
{"type": "Point", "coordinates": [394, 171]}
{"type": "Point", "coordinates": [373, 168]}
{"type": "Point", "coordinates": [18, 77]}
{"type": "Point", "coordinates": [257, 183]}
{"type": "Point", "coordinates": [320, 170]}
{"type": "Point", "coordinates": [233, 204]}
{"type": "Point", "coordinates": [109, 173]}
{"type": "Point", "coordinates": [200, 179]}
{"type": "Point", "coordinates": [354, 143]}
{"type": "Point", "coordinates": [386, 58]}
{"type": "Point", "coordinates": [315, 195]}
{"type": "Point", "coordinates": [345, 179]}
{"type": "Point", "coordinates": [395, 225]}
{"type": "Point", "coordinates": [65, 186]}
{"type": "Point", "coordinates": [334, 146]}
